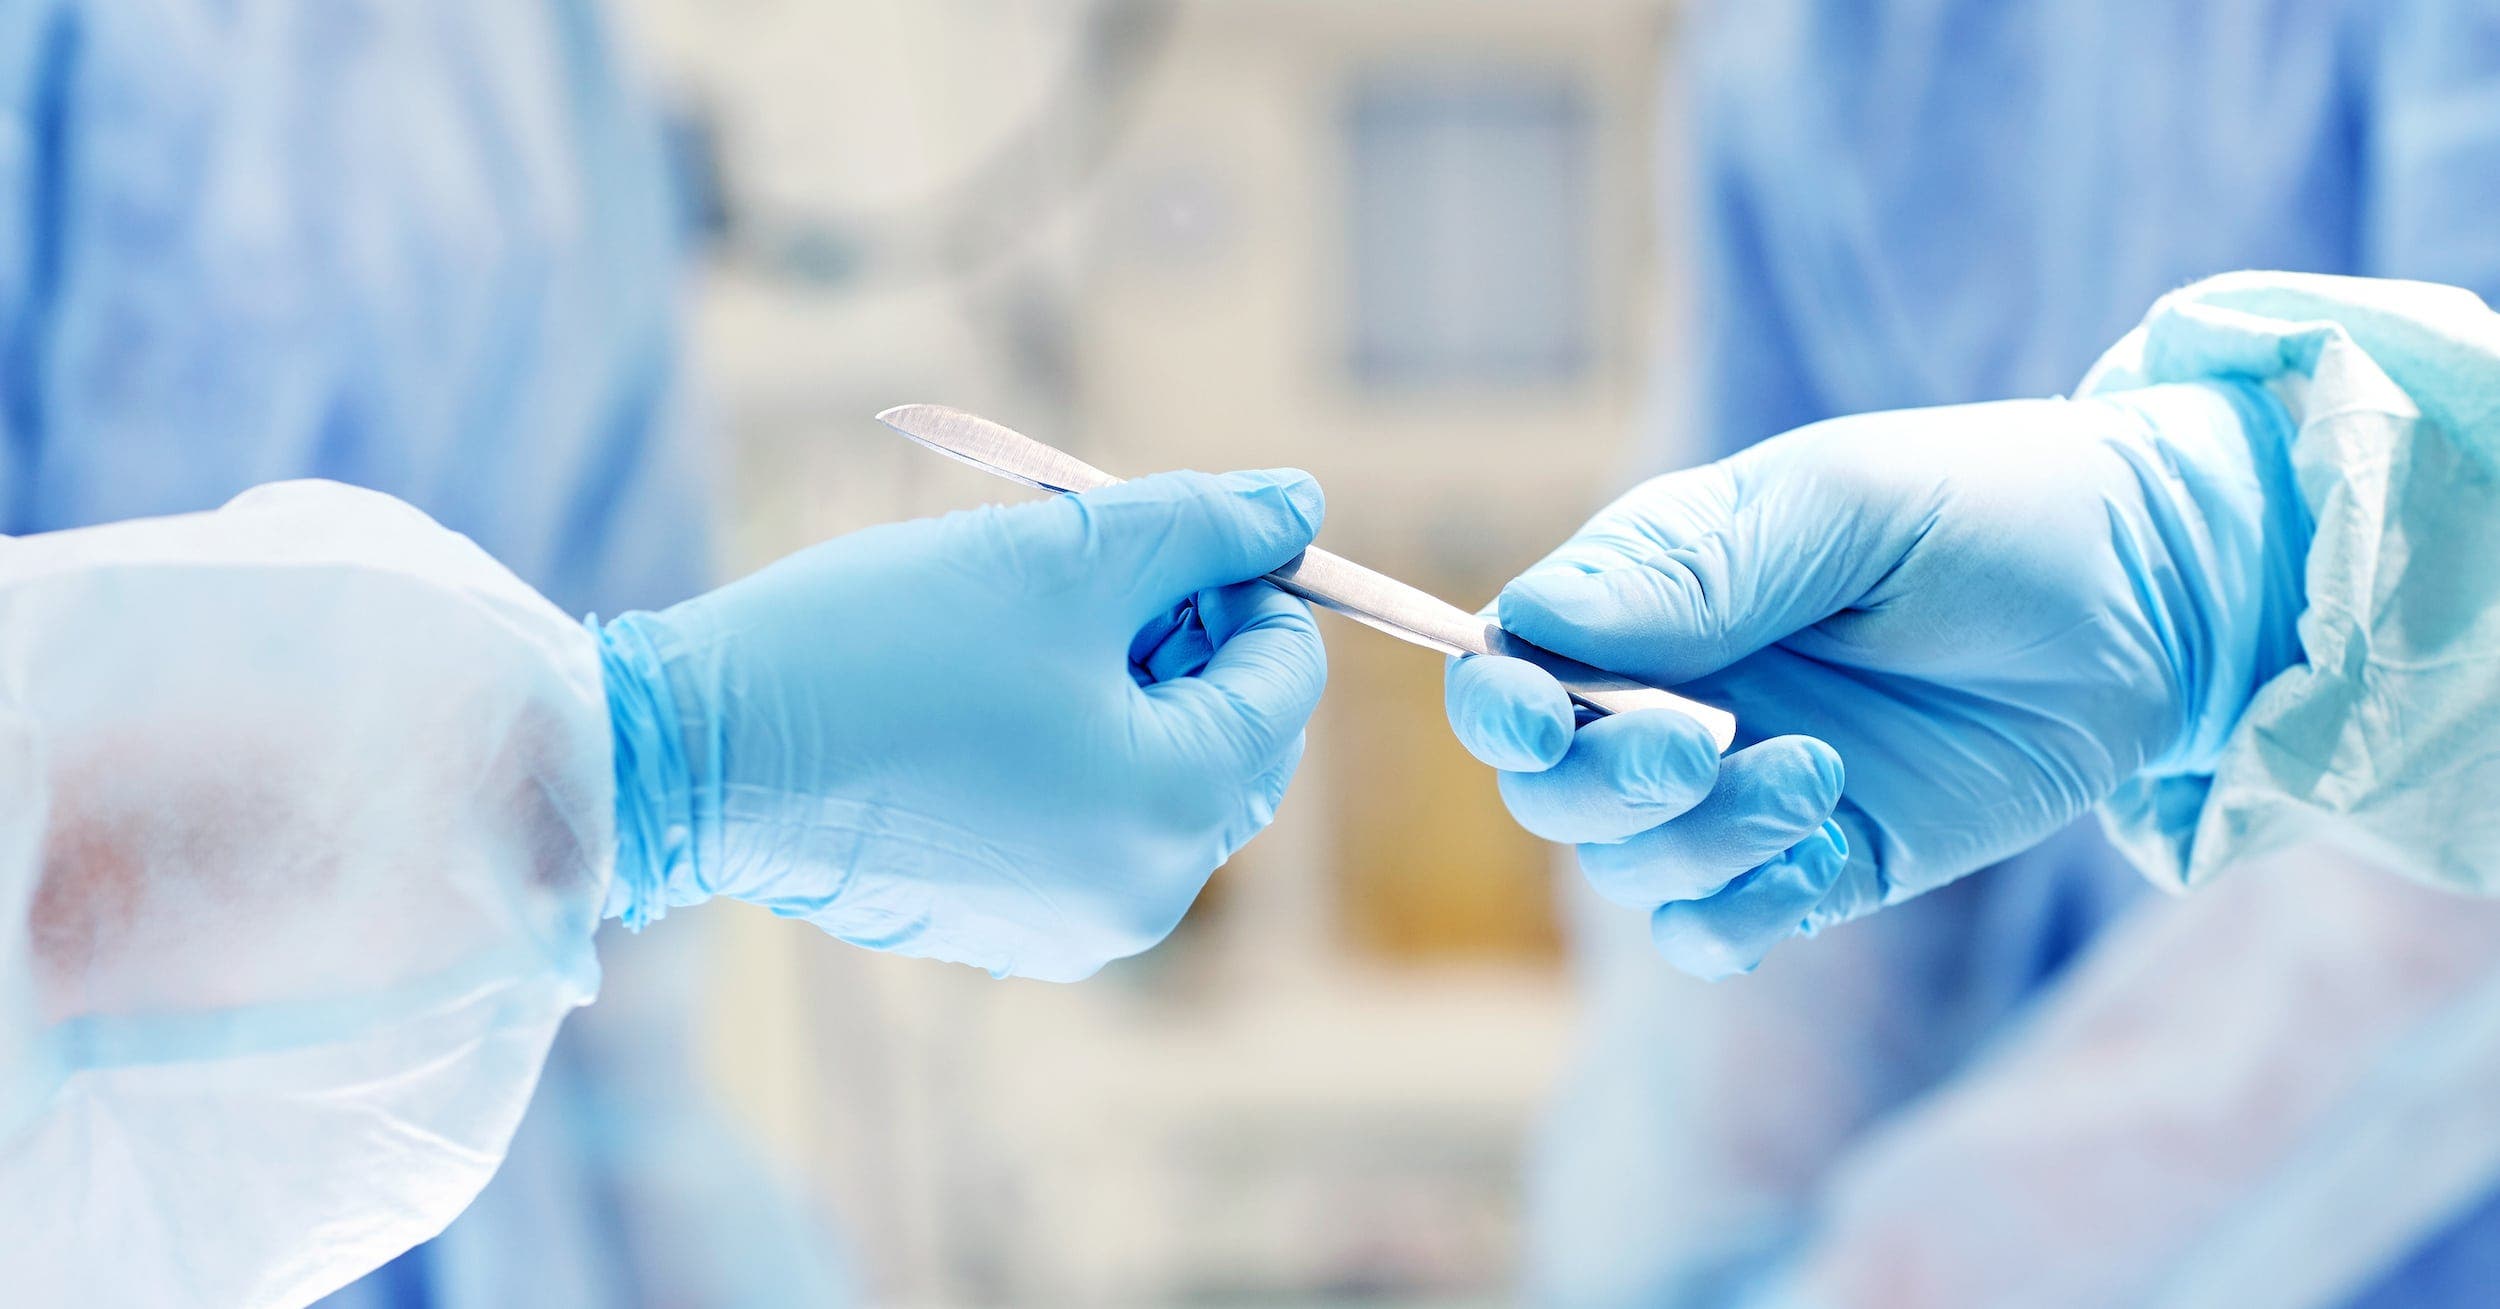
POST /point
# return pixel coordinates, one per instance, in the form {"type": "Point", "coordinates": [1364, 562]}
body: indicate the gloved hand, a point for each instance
{"type": "Point", "coordinates": [983, 738]}
{"type": "Point", "coordinates": [1993, 614]}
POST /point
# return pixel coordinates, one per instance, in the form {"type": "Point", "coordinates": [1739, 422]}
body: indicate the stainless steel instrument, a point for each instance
{"type": "Point", "coordinates": [1324, 579]}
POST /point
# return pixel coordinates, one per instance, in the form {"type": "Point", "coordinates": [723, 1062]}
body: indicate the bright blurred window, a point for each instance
{"type": "Point", "coordinates": [1471, 213]}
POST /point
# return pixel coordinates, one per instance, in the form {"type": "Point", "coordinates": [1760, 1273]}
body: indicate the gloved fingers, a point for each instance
{"type": "Point", "coordinates": [1622, 775]}
{"type": "Point", "coordinates": [1164, 537]}
{"type": "Point", "coordinates": [1259, 689]}
{"type": "Point", "coordinates": [1766, 799]}
{"type": "Point", "coordinates": [1729, 932]}
{"type": "Point", "coordinates": [1509, 713]}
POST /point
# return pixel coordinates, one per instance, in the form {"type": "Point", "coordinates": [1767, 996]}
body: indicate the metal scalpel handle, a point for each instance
{"type": "Point", "coordinates": [1374, 599]}
{"type": "Point", "coordinates": [1330, 581]}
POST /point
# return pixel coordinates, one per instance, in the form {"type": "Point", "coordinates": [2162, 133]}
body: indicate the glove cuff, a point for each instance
{"type": "Point", "coordinates": [2229, 516]}
{"type": "Point", "coordinates": [654, 804]}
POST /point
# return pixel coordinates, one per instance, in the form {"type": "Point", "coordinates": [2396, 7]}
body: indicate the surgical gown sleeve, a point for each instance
{"type": "Point", "coordinates": [305, 821]}
{"type": "Point", "coordinates": [2385, 737]}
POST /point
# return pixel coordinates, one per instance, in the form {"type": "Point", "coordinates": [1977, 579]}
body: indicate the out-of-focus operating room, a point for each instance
{"type": "Point", "coordinates": [1452, 256]}
{"type": "Point", "coordinates": [1990, 800]}
{"type": "Point", "coordinates": [1407, 246]}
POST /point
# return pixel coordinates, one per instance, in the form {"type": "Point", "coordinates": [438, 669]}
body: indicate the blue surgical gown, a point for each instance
{"type": "Point", "coordinates": [429, 247]}
{"type": "Point", "coordinates": [1939, 201]}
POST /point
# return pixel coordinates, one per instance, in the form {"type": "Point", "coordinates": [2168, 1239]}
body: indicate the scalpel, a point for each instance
{"type": "Point", "coordinates": [1324, 579]}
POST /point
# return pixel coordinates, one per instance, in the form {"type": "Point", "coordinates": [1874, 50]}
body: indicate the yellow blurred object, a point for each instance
{"type": "Point", "coordinates": [1432, 867]}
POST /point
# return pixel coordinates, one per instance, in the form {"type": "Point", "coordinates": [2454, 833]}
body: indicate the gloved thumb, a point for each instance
{"type": "Point", "coordinates": [1653, 618]}
{"type": "Point", "coordinates": [1175, 534]}
{"type": "Point", "coordinates": [1688, 574]}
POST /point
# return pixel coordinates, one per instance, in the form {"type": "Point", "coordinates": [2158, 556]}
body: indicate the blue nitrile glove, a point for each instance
{"type": "Point", "coordinates": [1993, 613]}
{"type": "Point", "coordinates": [1019, 738]}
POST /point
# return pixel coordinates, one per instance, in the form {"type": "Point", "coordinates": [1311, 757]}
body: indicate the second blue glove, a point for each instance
{"type": "Point", "coordinates": [1020, 738]}
{"type": "Point", "coordinates": [1996, 613]}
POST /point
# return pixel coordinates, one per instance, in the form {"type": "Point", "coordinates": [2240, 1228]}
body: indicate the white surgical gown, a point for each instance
{"type": "Point", "coordinates": [430, 247]}
{"type": "Point", "coordinates": [304, 830]}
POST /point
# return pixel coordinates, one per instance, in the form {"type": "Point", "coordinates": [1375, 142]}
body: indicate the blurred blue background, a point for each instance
{"type": "Point", "coordinates": [1478, 263]}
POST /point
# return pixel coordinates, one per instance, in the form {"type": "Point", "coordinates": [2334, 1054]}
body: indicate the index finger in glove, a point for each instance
{"type": "Point", "coordinates": [1509, 713]}
{"type": "Point", "coordinates": [1623, 775]}
{"type": "Point", "coordinates": [1262, 683]}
